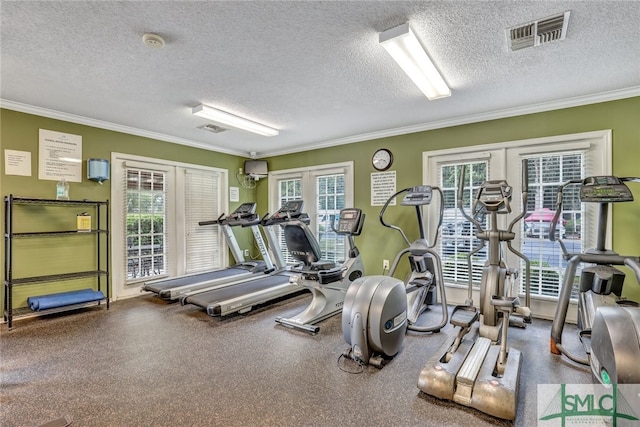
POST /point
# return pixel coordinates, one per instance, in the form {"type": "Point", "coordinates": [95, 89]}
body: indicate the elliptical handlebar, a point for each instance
{"type": "Point", "coordinates": [384, 208]}
{"type": "Point", "coordinates": [420, 191]}
{"type": "Point", "coordinates": [525, 195]}
{"type": "Point", "coordinates": [634, 265]}
{"type": "Point", "coordinates": [461, 197]}
{"type": "Point", "coordinates": [556, 217]}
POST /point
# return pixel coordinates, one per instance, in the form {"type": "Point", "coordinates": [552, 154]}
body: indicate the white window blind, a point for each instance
{"type": "Point", "coordinates": [144, 205]}
{"type": "Point", "coordinates": [202, 198]}
{"type": "Point", "coordinates": [546, 173]}
{"type": "Point", "coordinates": [458, 234]}
{"type": "Point", "coordinates": [330, 195]}
{"type": "Point", "coordinates": [288, 189]}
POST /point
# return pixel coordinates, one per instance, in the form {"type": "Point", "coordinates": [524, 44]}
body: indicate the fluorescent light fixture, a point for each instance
{"type": "Point", "coordinates": [227, 119]}
{"type": "Point", "coordinates": [403, 46]}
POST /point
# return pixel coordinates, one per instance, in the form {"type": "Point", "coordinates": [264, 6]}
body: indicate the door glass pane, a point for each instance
{"type": "Point", "coordinates": [458, 233]}
{"type": "Point", "coordinates": [330, 200]}
{"type": "Point", "coordinates": [145, 216]}
{"type": "Point", "coordinates": [546, 174]}
{"type": "Point", "coordinates": [288, 189]}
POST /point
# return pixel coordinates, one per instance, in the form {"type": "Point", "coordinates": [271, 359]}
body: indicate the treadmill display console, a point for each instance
{"type": "Point", "coordinates": [244, 210]}
{"type": "Point", "coordinates": [292, 206]}
{"type": "Point", "coordinates": [604, 189]}
{"type": "Point", "coordinates": [289, 211]}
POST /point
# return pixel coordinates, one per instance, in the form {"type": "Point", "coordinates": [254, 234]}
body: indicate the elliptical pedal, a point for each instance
{"type": "Point", "coordinates": [464, 316]}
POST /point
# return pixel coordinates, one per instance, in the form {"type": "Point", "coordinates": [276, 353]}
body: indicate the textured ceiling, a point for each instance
{"type": "Point", "coordinates": [312, 69]}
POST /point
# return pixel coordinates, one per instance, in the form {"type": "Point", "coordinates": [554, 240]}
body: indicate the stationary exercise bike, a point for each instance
{"type": "Point", "coordinates": [475, 368]}
{"type": "Point", "coordinates": [328, 281]}
{"type": "Point", "coordinates": [378, 310]}
{"type": "Point", "coordinates": [609, 325]}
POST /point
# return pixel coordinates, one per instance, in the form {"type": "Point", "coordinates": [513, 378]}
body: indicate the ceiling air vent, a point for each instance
{"type": "Point", "coordinates": [212, 128]}
{"type": "Point", "coordinates": [539, 32]}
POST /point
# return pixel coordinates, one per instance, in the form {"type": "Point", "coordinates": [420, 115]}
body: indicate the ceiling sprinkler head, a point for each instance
{"type": "Point", "coordinates": [153, 40]}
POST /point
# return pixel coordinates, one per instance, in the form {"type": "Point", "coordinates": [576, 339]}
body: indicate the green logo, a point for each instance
{"type": "Point", "coordinates": [587, 401]}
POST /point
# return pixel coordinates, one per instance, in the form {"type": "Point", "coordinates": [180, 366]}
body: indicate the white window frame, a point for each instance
{"type": "Point", "coordinates": [598, 142]}
{"type": "Point", "coordinates": [175, 204]}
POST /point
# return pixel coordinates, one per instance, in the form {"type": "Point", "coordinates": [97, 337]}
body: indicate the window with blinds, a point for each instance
{"type": "Point", "coordinates": [551, 162]}
{"type": "Point", "coordinates": [145, 204]}
{"type": "Point", "coordinates": [546, 173]}
{"type": "Point", "coordinates": [201, 204]}
{"type": "Point", "coordinates": [288, 190]}
{"type": "Point", "coordinates": [330, 201]}
{"type": "Point", "coordinates": [325, 190]}
{"type": "Point", "coordinates": [458, 233]}
{"type": "Point", "coordinates": [159, 204]}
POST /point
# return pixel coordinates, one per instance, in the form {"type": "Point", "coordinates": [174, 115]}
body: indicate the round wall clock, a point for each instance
{"type": "Point", "coordinates": [382, 159]}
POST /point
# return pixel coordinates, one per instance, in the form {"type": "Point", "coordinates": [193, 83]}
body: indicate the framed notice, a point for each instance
{"type": "Point", "coordinates": [60, 156]}
{"type": "Point", "coordinates": [383, 186]}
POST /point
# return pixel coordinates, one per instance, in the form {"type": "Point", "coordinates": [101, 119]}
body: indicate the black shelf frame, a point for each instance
{"type": "Point", "coordinates": [102, 237]}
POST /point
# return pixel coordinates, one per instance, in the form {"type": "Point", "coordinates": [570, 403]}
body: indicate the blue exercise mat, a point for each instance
{"type": "Point", "coordinates": [44, 302]}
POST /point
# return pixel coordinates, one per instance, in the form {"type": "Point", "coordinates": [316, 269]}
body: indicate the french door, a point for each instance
{"type": "Point", "coordinates": [157, 205]}
{"type": "Point", "coordinates": [551, 162]}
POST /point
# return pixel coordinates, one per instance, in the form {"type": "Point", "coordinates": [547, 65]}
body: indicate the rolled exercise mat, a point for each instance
{"type": "Point", "coordinates": [44, 302]}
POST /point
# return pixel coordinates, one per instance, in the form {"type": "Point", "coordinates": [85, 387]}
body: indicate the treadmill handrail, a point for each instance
{"type": "Point", "coordinates": [212, 221]}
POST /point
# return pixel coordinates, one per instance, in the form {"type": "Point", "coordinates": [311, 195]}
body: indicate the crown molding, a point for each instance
{"type": "Point", "coordinates": [475, 118]}
{"type": "Point", "coordinates": [58, 115]}
{"type": "Point", "coordinates": [440, 124]}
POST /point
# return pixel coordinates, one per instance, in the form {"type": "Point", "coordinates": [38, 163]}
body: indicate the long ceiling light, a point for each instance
{"type": "Point", "coordinates": [227, 119]}
{"type": "Point", "coordinates": [403, 46]}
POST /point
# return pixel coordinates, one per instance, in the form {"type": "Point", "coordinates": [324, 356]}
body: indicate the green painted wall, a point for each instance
{"type": "Point", "coordinates": [377, 243]}
{"type": "Point", "coordinates": [19, 131]}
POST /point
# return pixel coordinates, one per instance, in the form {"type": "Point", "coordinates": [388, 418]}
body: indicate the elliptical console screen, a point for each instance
{"type": "Point", "coordinates": [604, 189]}
{"type": "Point", "coordinates": [418, 195]}
{"type": "Point", "coordinates": [493, 194]}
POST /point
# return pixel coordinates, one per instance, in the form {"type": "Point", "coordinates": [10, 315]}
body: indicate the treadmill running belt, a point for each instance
{"type": "Point", "coordinates": [204, 299]}
{"type": "Point", "coordinates": [196, 278]}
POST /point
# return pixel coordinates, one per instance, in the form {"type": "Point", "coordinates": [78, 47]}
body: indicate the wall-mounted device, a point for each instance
{"type": "Point", "coordinates": [98, 170]}
{"type": "Point", "coordinates": [256, 169]}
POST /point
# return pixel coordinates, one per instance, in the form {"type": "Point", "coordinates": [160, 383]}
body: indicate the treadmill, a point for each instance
{"type": "Point", "coordinates": [242, 296]}
{"type": "Point", "coordinates": [245, 216]}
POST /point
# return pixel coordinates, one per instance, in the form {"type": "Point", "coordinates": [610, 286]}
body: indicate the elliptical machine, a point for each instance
{"type": "Point", "coordinates": [378, 310]}
{"type": "Point", "coordinates": [477, 369]}
{"type": "Point", "coordinates": [327, 281]}
{"type": "Point", "coordinates": [425, 281]}
{"type": "Point", "coordinates": [609, 325]}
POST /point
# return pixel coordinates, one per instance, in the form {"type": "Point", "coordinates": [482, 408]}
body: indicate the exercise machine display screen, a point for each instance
{"type": "Point", "coordinates": [292, 206]}
{"type": "Point", "coordinates": [245, 209]}
{"type": "Point", "coordinates": [604, 189]}
{"type": "Point", "coordinates": [350, 221]}
{"type": "Point", "coordinates": [493, 194]}
{"type": "Point", "coordinates": [418, 195]}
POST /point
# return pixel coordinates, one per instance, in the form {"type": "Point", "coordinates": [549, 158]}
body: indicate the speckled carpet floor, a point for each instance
{"type": "Point", "coordinates": [150, 363]}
